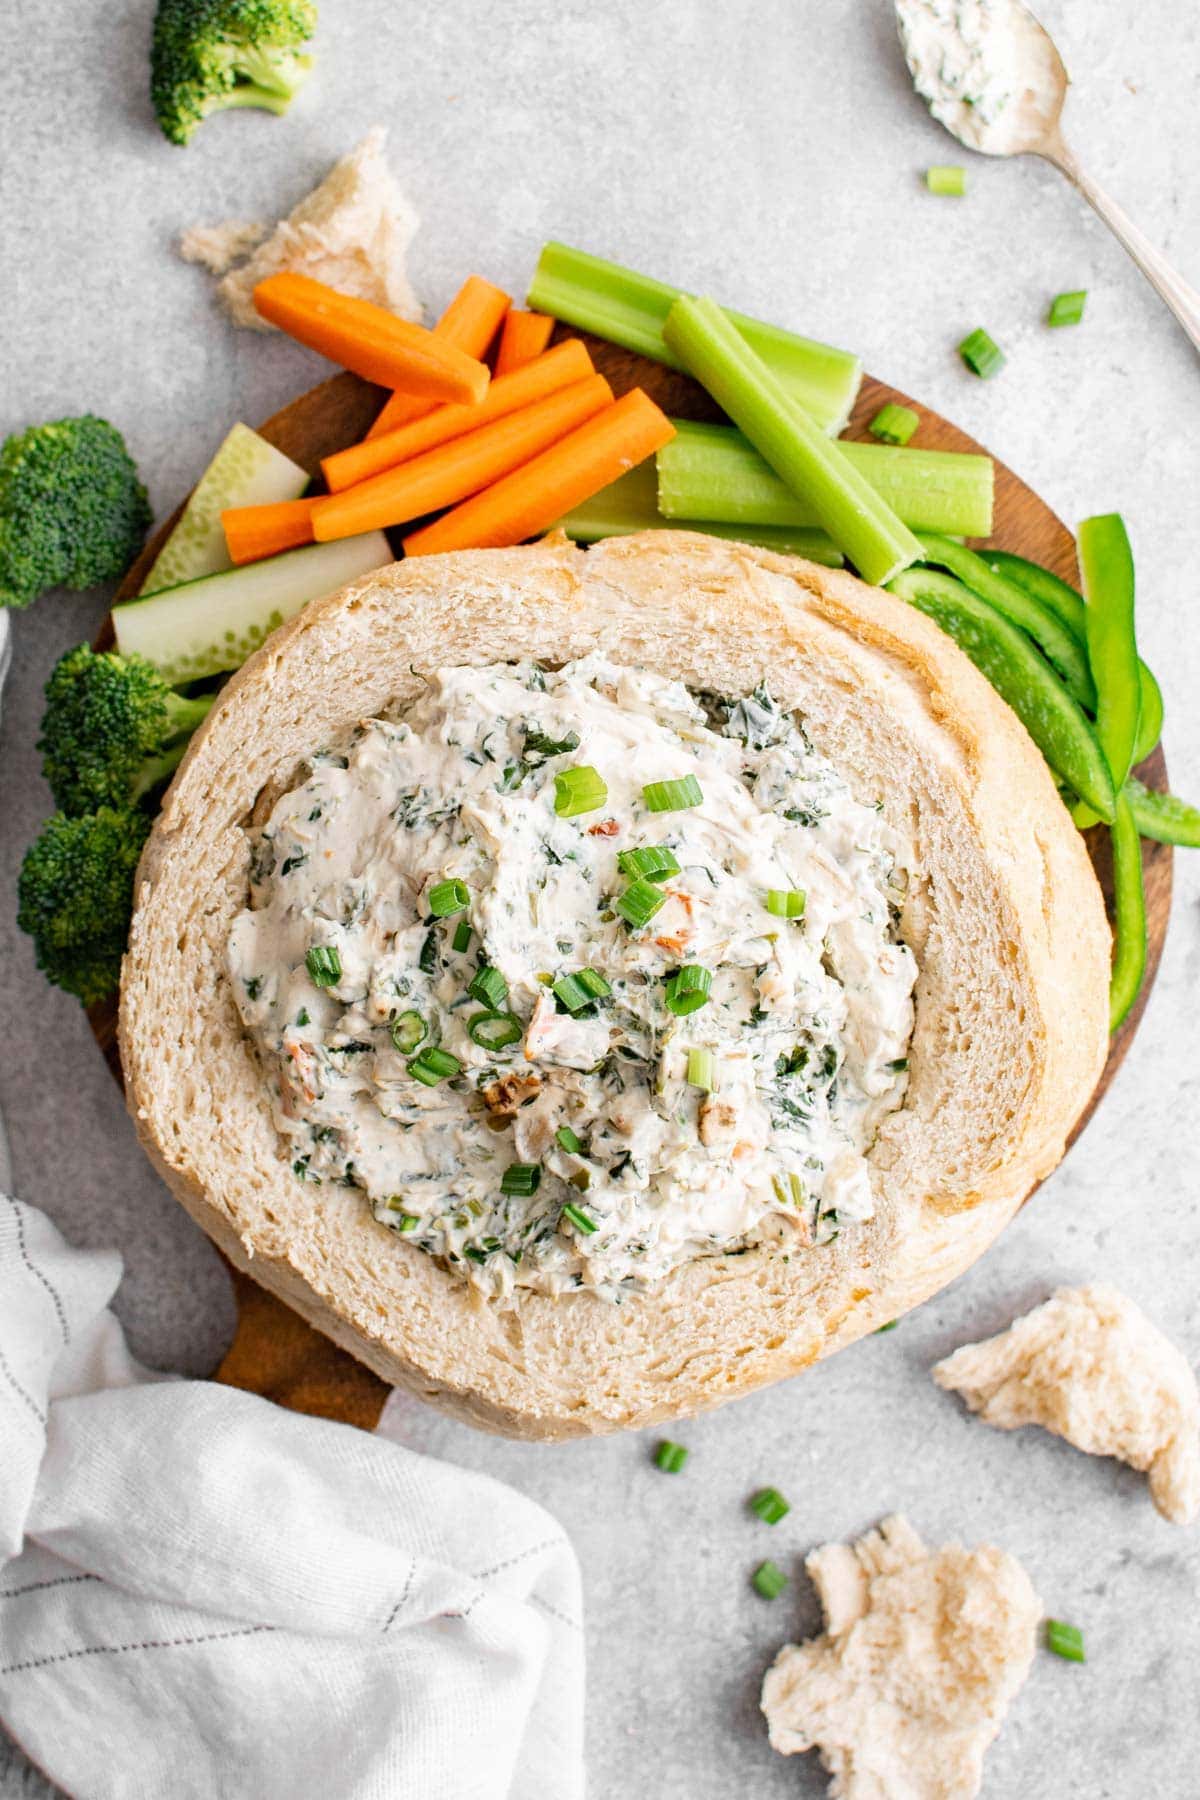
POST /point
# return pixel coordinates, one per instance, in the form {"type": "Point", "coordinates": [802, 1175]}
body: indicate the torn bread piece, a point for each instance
{"type": "Point", "coordinates": [1089, 1366]}
{"type": "Point", "coordinates": [922, 1654]}
{"type": "Point", "coordinates": [217, 247]}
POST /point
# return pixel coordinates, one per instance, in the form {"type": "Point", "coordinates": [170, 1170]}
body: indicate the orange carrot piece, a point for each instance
{"type": "Point", "coordinates": [369, 340]}
{"type": "Point", "coordinates": [530, 499]}
{"type": "Point", "coordinates": [525, 335]}
{"type": "Point", "coordinates": [470, 322]}
{"type": "Point", "coordinates": [252, 532]}
{"type": "Point", "coordinates": [448, 474]}
{"type": "Point", "coordinates": [567, 363]}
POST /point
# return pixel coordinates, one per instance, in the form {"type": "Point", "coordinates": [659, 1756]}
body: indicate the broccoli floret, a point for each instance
{"type": "Point", "coordinates": [210, 54]}
{"type": "Point", "coordinates": [112, 729]}
{"type": "Point", "coordinates": [72, 510]}
{"type": "Point", "coordinates": [76, 897]}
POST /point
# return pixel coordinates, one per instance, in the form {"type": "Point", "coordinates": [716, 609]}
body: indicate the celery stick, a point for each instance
{"type": "Point", "coordinates": [631, 309]}
{"type": "Point", "coordinates": [246, 471]}
{"type": "Point", "coordinates": [207, 626]}
{"type": "Point", "coordinates": [861, 524]}
{"type": "Point", "coordinates": [713, 472]}
{"type": "Point", "coordinates": [630, 504]}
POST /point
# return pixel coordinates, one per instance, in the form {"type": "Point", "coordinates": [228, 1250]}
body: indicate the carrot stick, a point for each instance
{"type": "Point", "coordinates": [452, 471]}
{"type": "Point", "coordinates": [525, 335]}
{"type": "Point", "coordinates": [567, 363]}
{"type": "Point", "coordinates": [530, 499]}
{"type": "Point", "coordinates": [252, 532]}
{"type": "Point", "coordinates": [368, 339]}
{"type": "Point", "coordinates": [470, 322]}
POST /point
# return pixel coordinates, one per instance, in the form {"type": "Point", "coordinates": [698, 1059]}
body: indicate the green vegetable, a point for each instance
{"type": "Point", "coordinates": [324, 965]}
{"type": "Point", "coordinates": [462, 937]}
{"type": "Point", "coordinates": [214, 624]}
{"type": "Point", "coordinates": [206, 55]}
{"type": "Point", "coordinates": [75, 897]}
{"type": "Point", "coordinates": [1129, 898]}
{"type": "Point", "coordinates": [770, 1505]}
{"type": "Point", "coordinates": [713, 472]}
{"type": "Point", "coordinates": [631, 309]}
{"type": "Point", "coordinates": [1067, 309]}
{"type": "Point", "coordinates": [672, 796]}
{"type": "Point", "coordinates": [580, 789]}
{"type": "Point", "coordinates": [946, 178]}
{"type": "Point", "coordinates": [982, 355]}
{"type": "Point", "coordinates": [112, 729]}
{"type": "Point", "coordinates": [1020, 676]}
{"type": "Point", "coordinates": [770, 1580]}
{"type": "Point", "coordinates": [1163, 817]}
{"type": "Point", "coordinates": [408, 1030]}
{"type": "Point", "coordinates": [894, 424]}
{"type": "Point", "coordinates": [785, 903]}
{"type": "Point", "coordinates": [688, 990]}
{"type": "Point", "coordinates": [448, 897]}
{"type": "Point", "coordinates": [670, 1457]}
{"type": "Point", "coordinates": [862, 525]}
{"type": "Point", "coordinates": [582, 1221]}
{"type": "Point", "coordinates": [701, 1070]}
{"type": "Point", "coordinates": [521, 1179]}
{"type": "Point", "coordinates": [431, 1065]}
{"type": "Point", "coordinates": [582, 989]}
{"type": "Point", "coordinates": [1065, 1640]}
{"type": "Point", "coordinates": [653, 861]}
{"type": "Point", "coordinates": [568, 1140]}
{"type": "Point", "coordinates": [72, 510]}
{"type": "Point", "coordinates": [1106, 563]}
{"type": "Point", "coordinates": [488, 986]}
{"type": "Point", "coordinates": [639, 903]}
{"type": "Point", "coordinates": [495, 1030]}
{"type": "Point", "coordinates": [246, 471]}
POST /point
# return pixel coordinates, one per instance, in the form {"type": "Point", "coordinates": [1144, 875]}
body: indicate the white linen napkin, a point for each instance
{"type": "Point", "coordinates": [204, 1595]}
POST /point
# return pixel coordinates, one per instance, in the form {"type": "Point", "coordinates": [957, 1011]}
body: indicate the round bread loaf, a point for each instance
{"type": "Point", "coordinates": [1004, 916]}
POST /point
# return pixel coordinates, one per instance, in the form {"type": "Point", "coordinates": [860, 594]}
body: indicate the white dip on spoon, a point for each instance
{"type": "Point", "coordinates": [990, 74]}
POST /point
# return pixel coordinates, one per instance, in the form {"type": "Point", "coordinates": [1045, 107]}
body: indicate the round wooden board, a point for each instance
{"type": "Point", "coordinates": [274, 1352]}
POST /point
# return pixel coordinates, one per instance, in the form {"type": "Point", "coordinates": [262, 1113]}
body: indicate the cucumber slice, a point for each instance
{"type": "Point", "coordinates": [246, 471]}
{"type": "Point", "coordinates": [207, 626]}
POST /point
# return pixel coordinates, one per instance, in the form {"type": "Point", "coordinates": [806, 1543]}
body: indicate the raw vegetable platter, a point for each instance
{"type": "Point", "coordinates": [274, 1352]}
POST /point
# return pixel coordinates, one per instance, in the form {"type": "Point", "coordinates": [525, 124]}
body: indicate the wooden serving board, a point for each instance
{"type": "Point", "coordinates": [274, 1352]}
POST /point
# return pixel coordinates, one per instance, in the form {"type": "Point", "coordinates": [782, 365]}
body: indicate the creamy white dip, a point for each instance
{"type": "Point", "coordinates": [807, 1018]}
{"type": "Point", "coordinates": [987, 70]}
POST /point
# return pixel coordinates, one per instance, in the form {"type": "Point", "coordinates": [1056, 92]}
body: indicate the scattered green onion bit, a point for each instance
{"type": "Point", "coordinates": [521, 1179]}
{"type": "Point", "coordinates": [894, 424]}
{"type": "Point", "coordinates": [982, 354]}
{"type": "Point", "coordinates": [580, 989]}
{"type": "Point", "coordinates": [670, 1457]}
{"type": "Point", "coordinates": [488, 986]}
{"type": "Point", "coordinates": [579, 1219]}
{"type": "Point", "coordinates": [701, 1070]}
{"type": "Point", "coordinates": [946, 178]}
{"type": "Point", "coordinates": [672, 796]}
{"type": "Point", "coordinates": [324, 965]}
{"type": "Point", "coordinates": [406, 1221]}
{"type": "Point", "coordinates": [770, 1505]}
{"type": "Point", "coordinates": [568, 1140]}
{"type": "Point", "coordinates": [581, 789]}
{"type": "Point", "coordinates": [688, 989]}
{"type": "Point", "coordinates": [462, 936]}
{"type": "Point", "coordinates": [408, 1030]}
{"type": "Point", "coordinates": [786, 903]}
{"type": "Point", "coordinates": [639, 903]}
{"type": "Point", "coordinates": [494, 1030]}
{"type": "Point", "coordinates": [1065, 1640]}
{"type": "Point", "coordinates": [448, 897]}
{"type": "Point", "coordinates": [769, 1580]}
{"type": "Point", "coordinates": [431, 1065]}
{"type": "Point", "coordinates": [653, 861]}
{"type": "Point", "coordinates": [1067, 309]}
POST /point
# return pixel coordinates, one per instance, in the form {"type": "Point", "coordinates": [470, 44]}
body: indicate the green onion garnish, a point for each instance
{"type": "Point", "coordinates": [946, 178]}
{"type": "Point", "coordinates": [494, 1030]}
{"type": "Point", "coordinates": [770, 1505]}
{"type": "Point", "coordinates": [1067, 309]}
{"type": "Point", "coordinates": [581, 789]}
{"type": "Point", "coordinates": [786, 903]}
{"type": "Point", "coordinates": [670, 1457]}
{"type": "Point", "coordinates": [488, 986]}
{"type": "Point", "coordinates": [769, 1580]}
{"type": "Point", "coordinates": [579, 1219]}
{"type": "Point", "coordinates": [431, 1065]}
{"type": "Point", "coordinates": [1065, 1640]}
{"type": "Point", "coordinates": [639, 903]}
{"type": "Point", "coordinates": [568, 1140]}
{"type": "Point", "coordinates": [653, 861]}
{"type": "Point", "coordinates": [324, 965]}
{"type": "Point", "coordinates": [462, 936]}
{"type": "Point", "coordinates": [701, 1070]}
{"type": "Point", "coordinates": [672, 796]}
{"type": "Point", "coordinates": [581, 989]}
{"type": "Point", "coordinates": [521, 1179]}
{"type": "Point", "coordinates": [688, 989]}
{"type": "Point", "coordinates": [427, 961]}
{"type": "Point", "coordinates": [408, 1030]}
{"type": "Point", "coordinates": [982, 355]}
{"type": "Point", "coordinates": [894, 424]}
{"type": "Point", "coordinates": [406, 1221]}
{"type": "Point", "coordinates": [448, 897]}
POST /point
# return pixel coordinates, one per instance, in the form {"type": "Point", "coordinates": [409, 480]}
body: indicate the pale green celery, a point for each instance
{"type": "Point", "coordinates": [860, 523]}
{"type": "Point", "coordinates": [713, 472]}
{"type": "Point", "coordinates": [630, 504]}
{"type": "Point", "coordinates": [631, 309]}
{"type": "Point", "coordinates": [246, 471]}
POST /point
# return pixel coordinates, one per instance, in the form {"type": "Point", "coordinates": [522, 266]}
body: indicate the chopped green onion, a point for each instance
{"type": "Point", "coordinates": [1067, 309]}
{"type": "Point", "coordinates": [538, 744]}
{"type": "Point", "coordinates": [494, 1030]}
{"type": "Point", "coordinates": [580, 789]}
{"type": "Point", "coordinates": [653, 861]}
{"type": "Point", "coordinates": [581, 989]}
{"type": "Point", "coordinates": [786, 903]}
{"type": "Point", "coordinates": [672, 796]}
{"type": "Point", "coordinates": [770, 1505]}
{"type": "Point", "coordinates": [427, 961]}
{"type": "Point", "coordinates": [324, 965]}
{"type": "Point", "coordinates": [890, 1326]}
{"type": "Point", "coordinates": [521, 1179]}
{"type": "Point", "coordinates": [1065, 1640]}
{"type": "Point", "coordinates": [568, 1140]}
{"type": "Point", "coordinates": [946, 178]}
{"type": "Point", "coordinates": [701, 1070]}
{"type": "Point", "coordinates": [579, 1219]}
{"type": "Point", "coordinates": [769, 1580]}
{"type": "Point", "coordinates": [488, 986]}
{"type": "Point", "coordinates": [688, 989]}
{"type": "Point", "coordinates": [431, 1065]}
{"type": "Point", "coordinates": [407, 1030]}
{"type": "Point", "coordinates": [407, 1221]}
{"type": "Point", "coordinates": [982, 355]}
{"type": "Point", "coordinates": [594, 983]}
{"type": "Point", "coordinates": [894, 424]}
{"type": "Point", "coordinates": [448, 897]}
{"type": "Point", "coordinates": [670, 1457]}
{"type": "Point", "coordinates": [639, 903]}
{"type": "Point", "coordinates": [462, 937]}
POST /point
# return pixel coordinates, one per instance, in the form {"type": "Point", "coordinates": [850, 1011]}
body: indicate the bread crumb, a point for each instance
{"type": "Point", "coordinates": [1089, 1366]}
{"type": "Point", "coordinates": [923, 1652]}
{"type": "Point", "coordinates": [217, 247]}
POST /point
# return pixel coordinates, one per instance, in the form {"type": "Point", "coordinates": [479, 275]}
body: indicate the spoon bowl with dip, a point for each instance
{"type": "Point", "coordinates": [994, 78]}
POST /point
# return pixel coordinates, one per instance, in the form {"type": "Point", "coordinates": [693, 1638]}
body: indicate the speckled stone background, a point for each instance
{"type": "Point", "coordinates": [771, 152]}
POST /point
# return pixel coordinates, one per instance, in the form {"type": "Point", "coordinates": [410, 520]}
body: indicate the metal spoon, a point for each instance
{"type": "Point", "coordinates": [994, 78]}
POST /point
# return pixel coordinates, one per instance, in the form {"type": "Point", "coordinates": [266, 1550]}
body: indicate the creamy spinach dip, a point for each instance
{"type": "Point", "coordinates": [578, 976]}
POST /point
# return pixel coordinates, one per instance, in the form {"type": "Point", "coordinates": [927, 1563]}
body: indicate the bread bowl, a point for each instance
{"type": "Point", "coordinates": [1002, 914]}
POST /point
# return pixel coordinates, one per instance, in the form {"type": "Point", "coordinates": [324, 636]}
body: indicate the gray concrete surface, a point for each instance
{"type": "Point", "coordinates": [771, 152]}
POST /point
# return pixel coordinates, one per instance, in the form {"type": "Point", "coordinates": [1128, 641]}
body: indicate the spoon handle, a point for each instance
{"type": "Point", "coordinates": [1182, 299]}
